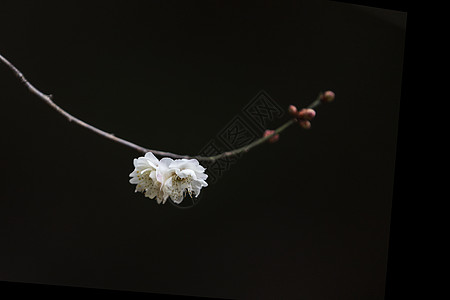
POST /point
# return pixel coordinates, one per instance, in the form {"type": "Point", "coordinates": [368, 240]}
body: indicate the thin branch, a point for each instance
{"type": "Point", "coordinates": [48, 99]}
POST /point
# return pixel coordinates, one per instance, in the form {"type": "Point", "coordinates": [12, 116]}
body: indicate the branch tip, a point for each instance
{"type": "Point", "coordinates": [302, 117]}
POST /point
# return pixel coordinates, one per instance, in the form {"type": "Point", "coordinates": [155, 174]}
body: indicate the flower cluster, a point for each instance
{"type": "Point", "coordinates": [166, 178]}
{"type": "Point", "coordinates": [305, 115]}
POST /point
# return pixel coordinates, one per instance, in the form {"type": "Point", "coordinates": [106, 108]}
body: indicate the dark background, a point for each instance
{"type": "Point", "coordinates": [307, 217]}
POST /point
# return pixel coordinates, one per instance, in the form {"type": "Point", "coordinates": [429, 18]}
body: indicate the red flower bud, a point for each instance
{"type": "Point", "coordinates": [305, 124]}
{"type": "Point", "coordinates": [328, 96]}
{"type": "Point", "coordinates": [292, 110]}
{"type": "Point", "coordinates": [306, 114]}
{"type": "Point", "coordinates": [270, 132]}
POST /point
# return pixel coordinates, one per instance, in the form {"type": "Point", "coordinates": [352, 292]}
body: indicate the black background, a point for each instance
{"type": "Point", "coordinates": [307, 217]}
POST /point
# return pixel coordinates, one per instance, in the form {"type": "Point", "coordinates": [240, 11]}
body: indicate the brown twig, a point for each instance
{"type": "Point", "coordinates": [48, 99]}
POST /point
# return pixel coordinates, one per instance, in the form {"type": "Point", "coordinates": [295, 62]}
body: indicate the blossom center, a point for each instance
{"type": "Point", "coordinates": [145, 181]}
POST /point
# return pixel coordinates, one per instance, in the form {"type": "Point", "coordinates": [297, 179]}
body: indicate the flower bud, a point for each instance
{"type": "Point", "coordinates": [328, 96]}
{"type": "Point", "coordinates": [270, 132]}
{"type": "Point", "coordinates": [306, 114]}
{"type": "Point", "coordinates": [292, 110]}
{"type": "Point", "coordinates": [305, 124]}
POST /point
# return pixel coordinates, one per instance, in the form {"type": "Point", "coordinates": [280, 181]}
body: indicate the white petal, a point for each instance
{"type": "Point", "coordinates": [151, 192]}
{"type": "Point", "coordinates": [201, 182]}
{"type": "Point", "coordinates": [165, 196]}
{"type": "Point", "coordinates": [141, 162]}
{"type": "Point", "coordinates": [147, 170]}
{"type": "Point", "coordinates": [201, 176]}
{"type": "Point", "coordinates": [197, 186]}
{"type": "Point", "coordinates": [186, 173]}
{"type": "Point", "coordinates": [187, 164]}
{"type": "Point", "coordinates": [152, 160]}
{"type": "Point", "coordinates": [168, 183]}
{"type": "Point", "coordinates": [199, 169]}
{"type": "Point", "coordinates": [165, 162]}
{"type": "Point", "coordinates": [178, 163]}
{"type": "Point", "coordinates": [163, 172]}
{"type": "Point", "coordinates": [134, 180]}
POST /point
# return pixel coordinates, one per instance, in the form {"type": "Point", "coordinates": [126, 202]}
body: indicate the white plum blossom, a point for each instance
{"type": "Point", "coordinates": [144, 176]}
{"type": "Point", "coordinates": [168, 178]}
{"type": "Point", "coordinates": [180, 176]}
